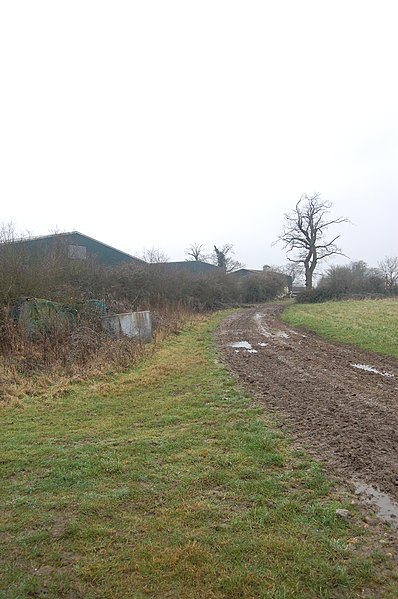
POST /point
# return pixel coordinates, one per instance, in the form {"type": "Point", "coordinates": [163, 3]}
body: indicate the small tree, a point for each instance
{"type": "Point", "coordinates": [389, 268]}
{"type": "Point", "coordinates": [291, 269]}
{"type": "Point", "coordinates": [223, 258]}
{"type": "Point", "coordinates": [154, 255]}
{"type": "Point", "coordinates": [304, 234]}
{"type": "Point", "coordinates": [262, 287]}
{"type": "Point", "coordinates": [195, 252]}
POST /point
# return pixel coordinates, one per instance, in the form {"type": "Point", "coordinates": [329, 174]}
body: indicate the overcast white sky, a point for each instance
{"type": "Point", "coordinates": [161, 123]}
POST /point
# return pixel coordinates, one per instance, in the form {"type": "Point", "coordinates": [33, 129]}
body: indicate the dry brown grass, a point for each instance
{"type": "Point", "coordinates": [49, 362]}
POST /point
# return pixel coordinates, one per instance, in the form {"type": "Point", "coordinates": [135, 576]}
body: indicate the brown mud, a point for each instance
{"type": "Point", "coordinates": [344, 415]}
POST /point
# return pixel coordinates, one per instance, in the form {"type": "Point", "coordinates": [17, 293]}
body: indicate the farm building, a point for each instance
{"type": "Point", "coordinates": [77, 247]}
{"type": "Point", "coordinates": [297, 289]}
{"type": "Point", "coordinates": [189, 266]}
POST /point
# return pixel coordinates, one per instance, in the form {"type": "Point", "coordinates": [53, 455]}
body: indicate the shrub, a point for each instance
{"type": "Point", "coordinates": [317, 295]}
{"type": "Point", "coordinates": [262, 287]}
{"type": "Point", "coordinates": [357, 277]}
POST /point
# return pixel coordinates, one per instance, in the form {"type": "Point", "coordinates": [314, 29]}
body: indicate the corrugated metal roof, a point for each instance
{"type": "Point", "coordinates": [105, 253]}
{"type": "Point", "coordinates": [194, 266]}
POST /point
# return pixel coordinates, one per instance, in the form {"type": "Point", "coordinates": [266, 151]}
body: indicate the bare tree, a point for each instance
{"type": "Point", "coordinates": [14, 266]}
{"type": "Point", "coordinates": [195, 252]}
{"type": "Point", "coordinates": [291, 269]}
{"type": "Point", "coordinates": [304, 234]}
{"type": "Point", "coordinates": [223, 258]}
{"type": "Point", "coordinates": [389, 268]}
{"type": "Point", "coordinates": [154, 255]}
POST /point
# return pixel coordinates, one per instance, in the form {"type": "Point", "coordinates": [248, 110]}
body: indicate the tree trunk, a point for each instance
{"type": "Point", "coordinates": [309, 270]}
{"type": "Point", "coordinates": [308, 278]}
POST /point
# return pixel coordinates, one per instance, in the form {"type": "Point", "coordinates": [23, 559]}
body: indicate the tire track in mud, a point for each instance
{"type": "Point", "coordinates": [338, 401]}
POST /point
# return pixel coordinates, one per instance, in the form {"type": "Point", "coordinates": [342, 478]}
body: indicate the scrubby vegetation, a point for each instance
{"type": "Point", "coordinates": [147, 286]}
{"type": "Point", "coordinates": [73, 348]}
{"type": "Point", "coordinates": [355, 280]}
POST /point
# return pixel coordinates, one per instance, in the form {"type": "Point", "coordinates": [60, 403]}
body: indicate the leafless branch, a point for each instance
{"type": "Point", "coordinates": [305, 230]}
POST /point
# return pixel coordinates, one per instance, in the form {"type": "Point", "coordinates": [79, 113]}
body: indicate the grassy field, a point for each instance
{"type": "Point", "coordinates": [166, 482]}
{"type": "Point", "coordinates": [369, 324]}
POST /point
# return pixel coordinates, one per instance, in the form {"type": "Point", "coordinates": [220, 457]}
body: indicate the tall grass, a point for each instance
{"type": "Point", "coordinates": [48, 361]}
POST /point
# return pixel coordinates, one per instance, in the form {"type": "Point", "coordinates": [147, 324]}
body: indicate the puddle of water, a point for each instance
{"type": "Point", "coordinates": [371, 369]}
{"type": "Point", "coordinates": [263, 330]}
{"type": "Point", "coordinates": [266, 332]}
{"type": "Point", "coordinates": [244, 344]}
{"type": "Point", "coordinates": [385, 507]}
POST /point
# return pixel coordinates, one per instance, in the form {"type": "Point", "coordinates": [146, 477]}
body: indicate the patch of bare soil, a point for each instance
{"type": "Point", "coordinates": [339, 402]}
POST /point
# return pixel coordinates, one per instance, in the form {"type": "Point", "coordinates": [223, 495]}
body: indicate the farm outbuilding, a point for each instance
{"type": "Point", "coordinates": [77, 247]}
{"type": "Point", "coordinates": [189, 266]}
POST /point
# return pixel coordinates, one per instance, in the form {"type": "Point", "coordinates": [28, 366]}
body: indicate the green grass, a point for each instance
{"type": "Point", "coordinates": [369, 324]}
{"type": "Point", "coordinates": [167, 482]}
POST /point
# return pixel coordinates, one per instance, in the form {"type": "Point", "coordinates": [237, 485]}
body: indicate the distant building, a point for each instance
{"type": "Point", "coordinates": [245, 272]}
{"type": "Point", "coordinates": [190, 266]}
{"type": "Point", "coordinates": [297, 289]}
{"type": "Point", "coordinates": [76, 247]}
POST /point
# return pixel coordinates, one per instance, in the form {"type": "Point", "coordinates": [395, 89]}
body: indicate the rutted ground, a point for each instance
{"type": "Point", "coordinates": [340, 402]}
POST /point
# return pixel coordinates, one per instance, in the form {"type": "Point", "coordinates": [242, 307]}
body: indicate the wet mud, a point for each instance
{"type": "Point", "coordinates": [338, 402]}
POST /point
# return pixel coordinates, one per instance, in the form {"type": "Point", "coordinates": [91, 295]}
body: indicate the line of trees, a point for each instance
{"type": "Point", "coordinates": [222, 256]}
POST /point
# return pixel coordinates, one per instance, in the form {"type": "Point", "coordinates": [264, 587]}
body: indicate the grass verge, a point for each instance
{"type": "Point", "coordinates": [166, 482]}
{"type": "Point", "coordinates": [369, 324]}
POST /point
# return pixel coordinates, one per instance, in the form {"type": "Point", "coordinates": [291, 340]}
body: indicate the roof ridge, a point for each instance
{"type": "Point", "coordinates": [65, 233]}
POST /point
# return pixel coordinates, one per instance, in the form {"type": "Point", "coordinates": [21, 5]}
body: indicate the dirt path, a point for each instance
{"type": "Point", "coordinates": [344, 415]}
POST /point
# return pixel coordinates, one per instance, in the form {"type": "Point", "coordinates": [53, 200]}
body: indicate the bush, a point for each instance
{"type": "Point", "coordinates": [357, 278]}
{"type": "Point", "coordinates": [262, 287]}
{"type": "Point", "coordinates": [317, 295]}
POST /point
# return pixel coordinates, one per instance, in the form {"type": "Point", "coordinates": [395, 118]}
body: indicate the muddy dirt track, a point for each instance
{"type": "Point", "coordinates": [346, 416]}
